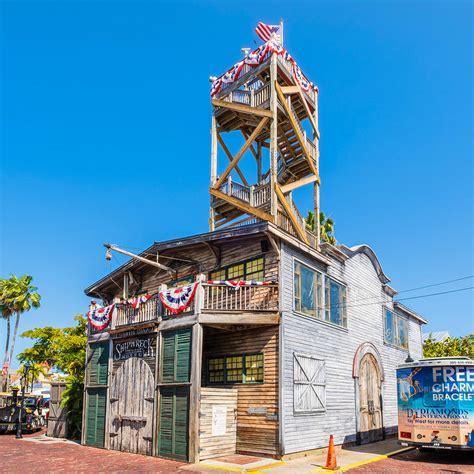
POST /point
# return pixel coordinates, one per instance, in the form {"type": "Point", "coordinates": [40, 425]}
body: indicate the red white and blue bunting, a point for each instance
{"type": "Point", "coordinates": [138, 300]}
{"type": "Point", "coordinates": [176, 300]}
{"type": "Point", "coordinates": [100, 318]}
{"type": "Point", "coordinates": [239, 283]}
{"type": "Point", "coordinates": [256, 58]}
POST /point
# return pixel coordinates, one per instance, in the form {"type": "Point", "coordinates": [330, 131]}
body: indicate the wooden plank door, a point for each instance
{"type": "Point", "coordinates": [95, 417]}
{"type": "Point", "coordinates": [173, 432]}
{"type": "Point", "coordinates": [370, 401]}
{"type": "Point", "coordinates": [131, 407]}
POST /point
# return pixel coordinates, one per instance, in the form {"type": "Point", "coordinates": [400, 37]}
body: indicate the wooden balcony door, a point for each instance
{"type": "Point", "coordinates": [370, 401]}
{"type": "Point", "coordinates": [131, 407]}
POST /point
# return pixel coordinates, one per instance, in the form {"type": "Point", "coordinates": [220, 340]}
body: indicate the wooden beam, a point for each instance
{"type": "Point", "coordinates": [308, 111]}
{"type": "Point", "coordinates": [246, 109]}
{"type": "Point", "coordinates": [296, 184]}
{"type": "Point", "coordinates": [246, 134]}
{"type": "Point", "coordinates": [240, 153]}
{"type": "Point", "coordinates": [296, 129]}
{"type": "Point", "coordinates": [301, 233]}
{"type": "Point", "coordinates": [290, 89]}
{"type": "Point", "coordinates": [287, 142]}
{"type": "Point", "coordinates": [240, 318]}
{"type": "Point", "coordinates": [229, 155]}
{"type": "Point", "coordinates": [241, 205]}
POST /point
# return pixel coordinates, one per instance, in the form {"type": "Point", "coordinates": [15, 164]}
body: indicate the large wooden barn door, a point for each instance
{"type": "Point", "coordinates": [370, 400]}
{"type": "Point", "coordinates": [131, 407]}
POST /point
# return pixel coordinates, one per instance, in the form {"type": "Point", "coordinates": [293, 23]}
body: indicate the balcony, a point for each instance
{"type": "Point", "coordinates": [213, 300]}
{"type": "Point", "coordinates": [246, 298]}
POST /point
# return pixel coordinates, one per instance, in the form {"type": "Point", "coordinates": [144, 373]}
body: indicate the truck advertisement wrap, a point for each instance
{"type": "Point", "coordinates": [436, 406]}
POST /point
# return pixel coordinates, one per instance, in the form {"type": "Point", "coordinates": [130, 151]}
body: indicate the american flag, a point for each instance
{"type": "Point", "coordinates": [265, 32]}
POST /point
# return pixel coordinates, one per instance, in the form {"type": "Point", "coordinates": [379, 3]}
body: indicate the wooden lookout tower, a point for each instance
{"type": "Point", "coordinates": [267, 101]}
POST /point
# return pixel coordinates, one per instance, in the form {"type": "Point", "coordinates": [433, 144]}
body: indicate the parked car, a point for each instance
{"type": "Point", "coordinates": [34, 414]}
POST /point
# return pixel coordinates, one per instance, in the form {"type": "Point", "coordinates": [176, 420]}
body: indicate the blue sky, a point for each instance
{"type": "Point", "coordinates": [105, 134]}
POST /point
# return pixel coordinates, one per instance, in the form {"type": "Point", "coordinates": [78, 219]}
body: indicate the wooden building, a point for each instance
{"type": "Point", "coordinates": [269, 369]}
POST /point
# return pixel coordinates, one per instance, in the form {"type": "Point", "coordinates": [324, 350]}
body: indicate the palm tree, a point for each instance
{"type": "Point", "coordinates": [18, 295]}
{"type": "Point", "coordinates": [6, 313]}
{"type": "Point", "coordinates": [326, 227]}
{"type": "Point", "coordinates": [35, 371]}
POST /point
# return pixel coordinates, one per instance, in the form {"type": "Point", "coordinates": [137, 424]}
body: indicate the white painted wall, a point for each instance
{"type": "Point", "coordinates": [336, 345]}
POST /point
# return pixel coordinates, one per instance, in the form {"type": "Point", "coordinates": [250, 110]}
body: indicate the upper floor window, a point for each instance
{"type": "Point", "coordinates": [396, 329]}
{"type": "Point", "coordinates": [253, 269]}
{"type": "Point", "coordinates": [323, 298]}
{"type": "Point", "coordinates": [335, 304]}
{"type": "Point", "coordinates": [308, 290]}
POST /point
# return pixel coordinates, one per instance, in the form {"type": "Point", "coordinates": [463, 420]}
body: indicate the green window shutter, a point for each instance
{"type": "Point", "coordinates": [95, 417]}
{"type": "Point", "coordinates": [176, 356]}
{"type": "Point", "coordinates": [173, 431]}
{"type": "Point", "coordinates": [98, 363]}
{"type": "Point", "coordinates": [183, 355]}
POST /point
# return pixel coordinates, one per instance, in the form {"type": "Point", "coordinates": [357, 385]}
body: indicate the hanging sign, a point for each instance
{"type": "Point", "coordinates": [137, 347]}
{"type": "Point", "coordinates": [176, 300]}
{"type": "Point", "coordinates": [99, 318]}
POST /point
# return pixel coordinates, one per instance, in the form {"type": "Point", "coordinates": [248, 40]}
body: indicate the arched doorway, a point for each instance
{"type": "Point", "coordinates": [368, 373]}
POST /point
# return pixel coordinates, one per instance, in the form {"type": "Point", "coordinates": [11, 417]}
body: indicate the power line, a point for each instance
{"type": "Point", "coordinates": [410, 289]}
{"type": "Point", "coordinates": [413, 297]}
{"type": "Point", "coordinates": [436, 284]}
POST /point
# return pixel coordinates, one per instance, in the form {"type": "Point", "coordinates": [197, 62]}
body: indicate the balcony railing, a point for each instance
{"type": "Point", "coordinates": [244, 298]}
{"type": "Point", "coordinates": [256, 196]}
{"type": "Point", "coordinates": [125, 315]}
{"type": "Point", "coordinates": [213, 298]}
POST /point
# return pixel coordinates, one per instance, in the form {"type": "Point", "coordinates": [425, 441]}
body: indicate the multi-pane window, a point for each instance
{"type": "Point", "coordinates": [308, 290]}
{"type": "Point", "coordinates": [247, 368]}
{"type": "Point", "coordinates": [216, 370]}
{"type": "Point", "coordinates": [249, 270]}
{"type": "Point", "coordinates": [335, 304]}
{"type": "Point", "coordinates": [322, 298]}
{"type": "Point", "coordinates": [234, 369]}
{"type": "Point", "coordinates": [396, 329]}
{"type": "Point", "coordinates": [254, 368]}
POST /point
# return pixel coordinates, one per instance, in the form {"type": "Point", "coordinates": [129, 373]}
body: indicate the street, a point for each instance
{"type": "Point", "coordinates": [421, 462]}
{"type": "Point", "coordinates": [37, 453]}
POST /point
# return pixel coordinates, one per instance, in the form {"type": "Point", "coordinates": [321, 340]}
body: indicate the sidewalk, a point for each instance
{"type": "Point", "coordinates": [347, 458]}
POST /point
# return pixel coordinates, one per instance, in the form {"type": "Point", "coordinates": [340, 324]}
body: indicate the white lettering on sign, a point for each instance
{"type": "Point", "coordinates": [451, 374]}
{"type": "Point", "coordinates": [219, 420]}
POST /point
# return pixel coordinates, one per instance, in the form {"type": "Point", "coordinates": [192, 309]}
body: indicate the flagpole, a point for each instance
{"type": "Point", "coordinates": [281, 30]}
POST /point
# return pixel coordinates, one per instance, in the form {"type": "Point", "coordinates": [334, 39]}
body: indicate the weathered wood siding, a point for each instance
{"type": "Point", "coordinates": [257, 410]}
{"type": "Point", "coordinates": [337, 347]}
{"type": "Point", "coordinates": [212, 445]}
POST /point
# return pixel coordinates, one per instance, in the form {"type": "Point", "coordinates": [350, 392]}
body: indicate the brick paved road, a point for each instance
{"type": "Point", "coordinates": [44, 456]}
{"type": "Point", "coordinates": [413, 461]}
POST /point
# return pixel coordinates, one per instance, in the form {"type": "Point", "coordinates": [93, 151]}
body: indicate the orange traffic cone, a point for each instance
{"type": "Point", "coordinates": [331, 462]}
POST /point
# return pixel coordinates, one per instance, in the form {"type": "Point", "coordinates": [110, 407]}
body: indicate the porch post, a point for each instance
{"type": "Point", "coordinates": [196, 367]}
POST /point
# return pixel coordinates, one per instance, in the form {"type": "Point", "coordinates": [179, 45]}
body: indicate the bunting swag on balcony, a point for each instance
{"type": "Point", "coordinates": [138, 300]}
{"type": "Point", "coordinates": [176, 300]}
{"type": "Point", "coordinates": [256, 58]}
{"type": "Point", "coordinates": [100, 318]}
{"type": "Point", "coordinates": [236, 284]}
